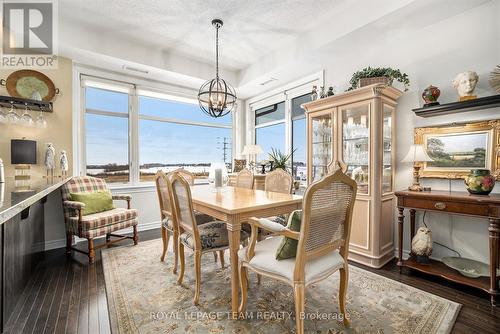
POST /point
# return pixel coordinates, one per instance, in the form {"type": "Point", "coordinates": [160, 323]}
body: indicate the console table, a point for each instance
{"type": "Point", "coordinates": [460, 203]}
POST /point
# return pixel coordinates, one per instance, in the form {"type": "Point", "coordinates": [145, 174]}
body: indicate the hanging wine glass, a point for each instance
{"type": "Point", "coordinates": [12, 116]}
{"type": "Point", "coordinates": [40, 121]}
{"type": "Point", "coordinates": [26, 118]}
{"type": "Point", "coordinates": [3, 115]}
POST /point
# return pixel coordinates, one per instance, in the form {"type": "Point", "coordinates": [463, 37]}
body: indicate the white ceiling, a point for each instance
{"type": "Point", "coordinates": [251, 29]}
{"type": "Point", "coordinates": [261, 39]}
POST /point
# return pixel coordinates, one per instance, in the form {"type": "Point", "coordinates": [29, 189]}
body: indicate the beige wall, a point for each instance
{"type": "Point", "coordinates": [59, 123]}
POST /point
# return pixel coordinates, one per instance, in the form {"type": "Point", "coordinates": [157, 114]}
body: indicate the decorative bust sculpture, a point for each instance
{"type": "Point", "coordinates": [465, 83]}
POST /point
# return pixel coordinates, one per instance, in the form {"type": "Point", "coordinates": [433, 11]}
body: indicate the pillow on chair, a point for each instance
{"type": "Point", "coordinates": [288, 246]}
{"type": "Point", "coordinates": [97, 201]}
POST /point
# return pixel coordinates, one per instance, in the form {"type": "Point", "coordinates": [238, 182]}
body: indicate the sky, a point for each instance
{"type": "Point", "coordinates": [464, 142]}
{"type": "Point", "coordinates": [161, 142]}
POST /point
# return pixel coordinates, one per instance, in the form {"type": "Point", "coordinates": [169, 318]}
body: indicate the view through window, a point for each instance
{"type": "Point", "coordinates": [170, 135]}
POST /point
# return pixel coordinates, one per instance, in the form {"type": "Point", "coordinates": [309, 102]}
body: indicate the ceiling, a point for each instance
{"type": "Point", "coordinates": [251, 29]}
{"type": "Point", "coordinates": [173, 40]}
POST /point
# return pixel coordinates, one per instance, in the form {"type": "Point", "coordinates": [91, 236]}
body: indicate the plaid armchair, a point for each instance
{"type": "Point", "coordinates": [97, 224]}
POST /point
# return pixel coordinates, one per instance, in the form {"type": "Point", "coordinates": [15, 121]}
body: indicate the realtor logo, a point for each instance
{"type": "Point", "coordinates": [29, 34]}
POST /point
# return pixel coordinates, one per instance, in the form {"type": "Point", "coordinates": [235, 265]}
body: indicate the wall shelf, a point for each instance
{"type": "Point", "coordinates": [20, 103]}
{"type": "Point", "coordinates": [457, 107]}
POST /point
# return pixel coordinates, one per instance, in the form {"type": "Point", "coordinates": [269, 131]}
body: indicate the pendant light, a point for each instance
{"type": "Point", "coordinates": [216, 97]}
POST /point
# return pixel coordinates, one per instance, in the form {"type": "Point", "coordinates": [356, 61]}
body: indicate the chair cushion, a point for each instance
{"type": "Point", "coordinates": [288, 246]}
{"type": "Point", "coordinates": [212, 235]}
{"type": "Point", "coordinates": [98, 220]}
{"type": "Point", "coordinates": [95, 201]}
{"type": "Point", "coordinates": [201, 218]}
{"type": "Point", "coordinates": [264, 260]}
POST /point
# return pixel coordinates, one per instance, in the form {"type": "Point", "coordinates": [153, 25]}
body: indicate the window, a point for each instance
{"type": "Point", "coordinates": [282, 126]}
{"type": "Point", "coordinates": [176, 134]}
{"type": "Point", "coordinates": [106, 134]}
{"type": "Point", "coordinates": [131, 133]}
{"type": "Point", "coordinates": [299, 139]}
{"type": "Point", "coordinates": [270, 128]}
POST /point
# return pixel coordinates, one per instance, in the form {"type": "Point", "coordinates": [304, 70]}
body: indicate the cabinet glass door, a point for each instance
{"type": "Point", "coordinates": [356, 144]}
{"type": "Point", "coordinates": [387, 155]}
{"type": "Point", "coordinates": [321, 145]}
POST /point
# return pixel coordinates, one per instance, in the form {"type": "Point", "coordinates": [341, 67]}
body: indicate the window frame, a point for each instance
{"type": "Point", "coordinates": [83, 77]}
{"type": "Point", "coordinates": [286, 93]}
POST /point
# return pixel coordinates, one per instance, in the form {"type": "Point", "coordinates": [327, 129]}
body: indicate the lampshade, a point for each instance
{"type": "Point", "coordinates": [416, 153]}
{"type": "Point", "coordinates": [23, 152]}
{"type": "Point", "coordinates": [252, 149]}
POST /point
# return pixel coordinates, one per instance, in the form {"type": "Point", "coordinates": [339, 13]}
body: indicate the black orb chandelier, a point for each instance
{"type": "Point", "coordinates": [216, 97]}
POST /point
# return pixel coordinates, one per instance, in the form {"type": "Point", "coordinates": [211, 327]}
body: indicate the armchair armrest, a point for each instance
{"type": "Point", "coordinates": [123, 197]}
{"type": "Point", "coordinates": [74, 205]}
{"type": "Point", "coordinates": [268, 225]}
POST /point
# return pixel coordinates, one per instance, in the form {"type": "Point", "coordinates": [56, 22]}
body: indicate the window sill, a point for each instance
{"type": "Point", "coordinates": [140, 187]}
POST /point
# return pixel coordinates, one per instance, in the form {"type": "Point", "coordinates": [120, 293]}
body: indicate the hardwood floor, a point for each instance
{"type": "Point", "coordinates": [66, 295]}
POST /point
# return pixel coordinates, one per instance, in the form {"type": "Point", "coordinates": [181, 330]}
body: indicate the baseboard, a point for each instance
{"type": "Point", "coordinates": [61, 243]}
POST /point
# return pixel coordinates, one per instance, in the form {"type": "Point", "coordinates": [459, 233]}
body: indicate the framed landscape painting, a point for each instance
{"type": "Point", "coordinates": [458, 148]}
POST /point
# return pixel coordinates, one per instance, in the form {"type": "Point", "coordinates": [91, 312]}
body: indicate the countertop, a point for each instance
{"type": "Point", "coordinates": [13, 200]}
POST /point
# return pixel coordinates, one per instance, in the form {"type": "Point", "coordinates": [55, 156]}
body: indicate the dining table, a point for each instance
{"type": "Point", "coordinates": [235, 206]}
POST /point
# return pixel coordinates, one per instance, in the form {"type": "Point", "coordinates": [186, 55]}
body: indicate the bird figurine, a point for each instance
{"type": "Point", "coordinates": [421, 245]}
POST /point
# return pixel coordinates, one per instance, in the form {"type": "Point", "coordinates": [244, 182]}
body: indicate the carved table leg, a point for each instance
{"type": "Point", "coordinates": [412, 225]}
{"type": "Point", "coordinates": [234, 228]}
{"type": "Point", "coordinates": [494, 238]}
{"type": "Point", "coordinates": [401, 219]}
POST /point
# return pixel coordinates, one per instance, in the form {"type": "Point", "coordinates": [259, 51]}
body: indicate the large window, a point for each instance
{"type": "Point", "coordinates": [282, 125]}
{"type": "Point", "coordinates": [176, 134]}
{"type": "Point", "coordinates": [107, 134]}
{"type": "Point", "coordinates": [270, 128]}
{"type": "Point", "coordinates": [131, 133]}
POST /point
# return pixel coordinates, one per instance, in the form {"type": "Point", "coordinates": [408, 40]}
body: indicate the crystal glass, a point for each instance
{"type": "Point", "coordinates": [40, 122]}
{"type": "Point", "coordinates": [26, 118]}
{"type": "Point", "coordinates": [356, 144]}
{"type": "Point", "coordinates": [3, 115]}
{"type": "Point", "coordinates": [321, 141]}
{"type": "Point", "coordinates": [12, 116]}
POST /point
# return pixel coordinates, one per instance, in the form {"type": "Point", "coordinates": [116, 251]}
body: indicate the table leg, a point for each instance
{"type": "Point", "coordinates": [401, 219]}
{"type": "Point", "coordinates": [412, 225]}
{"type": "Point", "coordinates": [234, 228]}
{"type": "Point", "coordinates": [494, 239]}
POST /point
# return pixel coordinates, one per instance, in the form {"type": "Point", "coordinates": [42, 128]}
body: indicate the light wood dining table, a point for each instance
{"type": "Point", "coordinates": [234, 206]}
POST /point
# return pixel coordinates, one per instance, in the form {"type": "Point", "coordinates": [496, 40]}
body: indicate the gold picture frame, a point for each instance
{"type": "Point", "coordinates": [479, 143]}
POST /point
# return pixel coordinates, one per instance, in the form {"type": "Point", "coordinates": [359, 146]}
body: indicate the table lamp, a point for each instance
{"type": "Point", "coordinates": [416, 154]}
{"type": "Point", "coordinates": [251, 151]}
{"type": "Point", "coordinates": [22, 156]}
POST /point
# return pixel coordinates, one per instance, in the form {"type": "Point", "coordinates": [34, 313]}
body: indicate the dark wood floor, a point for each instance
{"type": "Point", "coordinates": [66, 295]}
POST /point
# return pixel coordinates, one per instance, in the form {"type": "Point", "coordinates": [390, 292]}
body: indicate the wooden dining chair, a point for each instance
{"type": "Point", "coordinates": [187, 175]}
{"type": "Point", "coordinates": [278, 181]}
{"type": "Point", "coordinates": [244, 179]}
{"type": "Point", "coordinates": [209, 237]}
{"type": "Point", "coordinates": [323, 243]}
{"type": "Point", "coordinates": [168, 226]}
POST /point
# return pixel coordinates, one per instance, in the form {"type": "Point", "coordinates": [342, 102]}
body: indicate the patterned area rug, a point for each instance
{"type": "Point", "coordinates": [143, 297]}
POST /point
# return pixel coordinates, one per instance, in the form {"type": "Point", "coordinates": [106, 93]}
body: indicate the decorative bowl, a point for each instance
{"type": "Point", "coordinates": [467, 267]}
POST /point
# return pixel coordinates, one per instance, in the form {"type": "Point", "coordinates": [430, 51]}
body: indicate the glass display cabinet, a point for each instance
{"type": "Point", "coordinates": [355, 129]}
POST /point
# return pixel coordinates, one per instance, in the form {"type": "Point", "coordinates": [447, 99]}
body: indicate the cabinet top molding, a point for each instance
{"type": "Point", "coordinates": [360, 94]}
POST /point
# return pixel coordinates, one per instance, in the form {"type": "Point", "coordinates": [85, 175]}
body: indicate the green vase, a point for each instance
{"type": "Point", "coordinates": [480, 182]}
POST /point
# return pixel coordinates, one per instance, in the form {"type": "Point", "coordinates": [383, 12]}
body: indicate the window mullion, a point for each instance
{"type": "Point", "coordinates": [134, 137]}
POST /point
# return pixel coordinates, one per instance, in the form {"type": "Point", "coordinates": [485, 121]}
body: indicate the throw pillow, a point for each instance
{"type": "Point", "coordinates": [95, 202]}
{"type": "Point", "coordinates": [288, 246]}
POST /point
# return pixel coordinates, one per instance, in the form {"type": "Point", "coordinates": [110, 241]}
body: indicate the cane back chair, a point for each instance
{"type": "Point", "coordinates": [323, 243]}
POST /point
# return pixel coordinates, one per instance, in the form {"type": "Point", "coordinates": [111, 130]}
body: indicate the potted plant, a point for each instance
{"type": "Point", "coordinates": [280, 159]}
{"type": "Point", "coordinates": [369, 76]}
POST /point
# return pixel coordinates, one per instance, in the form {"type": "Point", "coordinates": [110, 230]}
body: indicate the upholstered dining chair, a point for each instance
{"type": "Point", "coordinates": [322, 247]}
{"type": "Point", "coordinates": [168, 228]}
{"type": "Point", "coordinates": [96, 224]}
{"type": "Point", "coordinates": [244, 179]}
{"type": "Point", "coordinates": [200, 239]}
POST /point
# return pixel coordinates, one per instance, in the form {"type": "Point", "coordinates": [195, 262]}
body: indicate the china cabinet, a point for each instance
{"type": "Point", "coordinates": [356, 129]}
